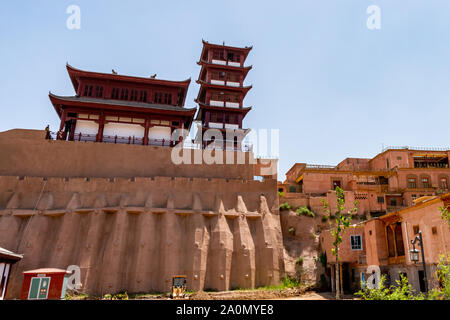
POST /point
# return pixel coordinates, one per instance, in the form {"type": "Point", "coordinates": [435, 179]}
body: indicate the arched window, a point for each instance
{"type": "Point", "coordinates": [443, 183]}
{"type": "Point", "coordinates": [425, 182]}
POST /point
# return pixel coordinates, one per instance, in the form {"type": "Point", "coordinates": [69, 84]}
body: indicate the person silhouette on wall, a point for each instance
{"type": "Point", "coordinates": [47, 133]}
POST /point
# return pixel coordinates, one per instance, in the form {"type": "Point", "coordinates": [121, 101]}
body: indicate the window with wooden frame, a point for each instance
{"type": "Point", "coordinates": [390, 241]}
{"type": "Point", "coordinates": [336, 183]}
{"type": "Point", "coordinates": [180, 98]}
{"type": "Point", "coordinates": [88, 91]}
{"type": "Point", "coordinates": [143, 96]}
{"type": "Point", "coordinates": [134, 95]}
{"type": "Point", "coordinates": [233, 77]}
{"type": "Point", "coordinates": [115, 93]}
{"type": "Point", "coordinates": [232, 98]}
{"type": "Point", "coordinates": [218, 55]}
{"type": "Point", "coordinates": [434, 230]}
{"type": "Point", "coordinates": [124, 94]}
{"type": "Point", "coordinates": [231, 118]}
{"type": "Point", "coordinates": [158, 97]}
{"type": "Point", "coordinates": [217, 96]}
{"type": "Point", "coordinates": [394, 238]}
{"type": "Point", "coordinates": [233, 56]}
{"type": "Point", "coordinates": [168, 98]}
{"type": "Point", "coordinates": [426, 182]}
{"type": "Point", "coordinates": [99, 91]}
{"type": "Point", "coordinates": [356, 242]}
{"type": "Point", "coordinates": [443, 183]}
{"type": "Point", "coordinates": [412, 183]}
{"type": "Point", "coordinates": [399, 239]}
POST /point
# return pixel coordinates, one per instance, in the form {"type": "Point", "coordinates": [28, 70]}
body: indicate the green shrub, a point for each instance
{"type": "Point", "coordinates": [402, 291]}
{"type": "Point", "coordinates": [118, 296]}
{"type": "Point", "coordinates": [292, 231]}
{"type": "Point", "coordinates": [285, 206]}
{"type": "Point", "coordinates": [443, 274]}
{"type": "Point", "coordinates": [323, 259]}
{"type": "Point", "coordinates": [299, 261]}
{"type": "Point", "coordinates": [281, 193]}
{"type": "Point", "coordinates": [287, 283]}
{"type": "Point", "coordinates": [305, 211]}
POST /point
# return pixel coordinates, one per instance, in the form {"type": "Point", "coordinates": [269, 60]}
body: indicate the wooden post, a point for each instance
{"type": "Point", "coordinates": [146, 128]}
{"type": "Point", "coordinates": [72, 129]}
{"type": "Point", "coordinates": [60, 135]}
{"type": "Point", "coordinates": [101, 126]}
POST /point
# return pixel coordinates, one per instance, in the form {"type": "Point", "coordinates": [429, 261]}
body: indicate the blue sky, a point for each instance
{"type": "Point", "coordinates": [333, 88]}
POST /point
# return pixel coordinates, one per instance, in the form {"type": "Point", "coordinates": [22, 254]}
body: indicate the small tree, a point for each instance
{"type": "Point", "coordinates": [445, 214]}
{"type": "Point", "coordinates": [341, 222]}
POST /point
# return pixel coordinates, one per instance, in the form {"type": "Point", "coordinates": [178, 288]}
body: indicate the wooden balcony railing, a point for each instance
{"type": "Point", "coordinates": [188, 143]}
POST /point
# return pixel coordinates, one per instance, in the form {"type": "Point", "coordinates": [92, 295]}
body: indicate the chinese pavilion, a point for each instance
{"type": "Point", "coordinates": [222, 89]}
{"type": "Point", "coordinates": [122, 109]}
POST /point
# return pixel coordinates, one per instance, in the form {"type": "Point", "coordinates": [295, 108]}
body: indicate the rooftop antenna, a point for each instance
{"type": "Point", "coordinates": [153, 76]}
{"type": "Point", "coordinates": [114, 71]}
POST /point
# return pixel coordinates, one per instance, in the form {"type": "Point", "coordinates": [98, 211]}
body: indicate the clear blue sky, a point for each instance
{"type": "Point", "coordinates": [333, 87]}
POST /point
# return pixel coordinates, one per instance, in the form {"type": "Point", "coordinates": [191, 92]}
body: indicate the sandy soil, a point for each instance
{"type": "Point", "coordinates": [287, 294]}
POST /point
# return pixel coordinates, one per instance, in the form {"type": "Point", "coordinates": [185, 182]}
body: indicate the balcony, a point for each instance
{"type": "Point", "coordinates": [217, 103]}
{"type": "Point", "coordinates": [225, 83]}
{"type": "Point", "coordinates": [362, 259]}
{"type": "Point", "coordinates": [219, 125]}
{"type": "Point", "coordinates": [188, 143]}
{"type": "Point", "coordinates": [394, 208]}
{"type": "Point", "coordinates": [226, 63]}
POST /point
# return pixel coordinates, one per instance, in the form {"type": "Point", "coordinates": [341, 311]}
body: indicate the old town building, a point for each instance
{"type": "Point", "coordinates": [385, 242]}
{"type": "Point", "coordinates": [390, 181]}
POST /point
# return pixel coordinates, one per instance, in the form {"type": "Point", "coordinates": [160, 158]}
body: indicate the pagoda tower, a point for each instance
{"type": "Point", "coordinates": [222, 90]}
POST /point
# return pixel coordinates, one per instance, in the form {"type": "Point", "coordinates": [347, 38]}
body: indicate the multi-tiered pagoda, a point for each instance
{"type": "Point", "coordinates": [122, 109]}
{"type": "Point", "coordinates": [222, 89]}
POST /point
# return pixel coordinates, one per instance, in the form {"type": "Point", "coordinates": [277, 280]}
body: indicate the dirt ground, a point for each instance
{"type": "Point", "coordinates": [287, 294]}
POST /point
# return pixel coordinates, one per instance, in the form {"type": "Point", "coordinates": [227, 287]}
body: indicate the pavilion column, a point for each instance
{"type": "Point", "coordinates": [207, 118]}
{"type": "Point", "coordinates": [101, 126]}
{"type": "Point", "coordinates": [60, 134]}
{"type": "Point", "coordinates": [146, 128]}
{"type": "Point", "coordinates": [72, 129]}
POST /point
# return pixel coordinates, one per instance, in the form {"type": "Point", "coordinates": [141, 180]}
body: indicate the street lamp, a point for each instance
{"type": "Point", "coordinates": [414, 256]}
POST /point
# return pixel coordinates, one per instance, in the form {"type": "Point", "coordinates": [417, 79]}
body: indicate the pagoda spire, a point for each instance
{"type": "Point", "coordinates": [222, 90]}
